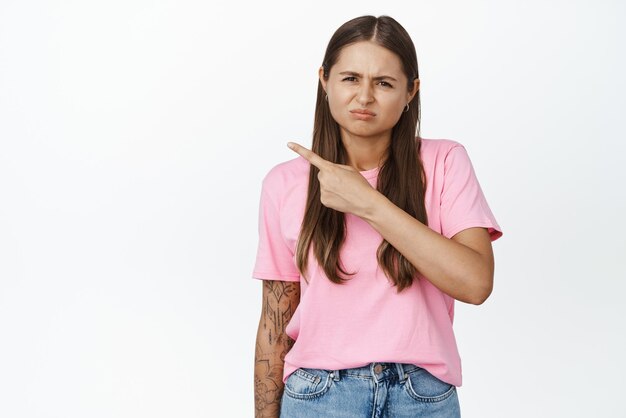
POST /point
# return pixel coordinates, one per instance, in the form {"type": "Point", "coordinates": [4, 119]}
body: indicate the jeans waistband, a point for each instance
{"type": "Point", "coordinates": [377, 371]}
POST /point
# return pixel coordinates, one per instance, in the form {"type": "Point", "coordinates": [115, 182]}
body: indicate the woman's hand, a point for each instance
{"type": "Point", "coordinates": [342, 187]}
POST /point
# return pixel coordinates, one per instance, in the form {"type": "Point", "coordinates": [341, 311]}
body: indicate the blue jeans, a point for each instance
{"type": "Point", "coordinates": [378, 390]}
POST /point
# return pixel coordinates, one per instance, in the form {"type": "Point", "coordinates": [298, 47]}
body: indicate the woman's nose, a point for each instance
{"type": "Point", "coordinates": [364, 95]}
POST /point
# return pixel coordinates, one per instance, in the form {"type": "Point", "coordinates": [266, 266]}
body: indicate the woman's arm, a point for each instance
{"type": "Point", "coordinates": [280, 300]}
{"type": "Point", "coordinates": [461, 267]}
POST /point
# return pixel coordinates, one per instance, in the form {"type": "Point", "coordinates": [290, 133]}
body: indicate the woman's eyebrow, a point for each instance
{"type": "Point", "coordinates": [380, 77]}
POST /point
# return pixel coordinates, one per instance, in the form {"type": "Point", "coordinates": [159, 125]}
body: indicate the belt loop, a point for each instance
{"type": "Point", "coordinates": [336, 375]}
{"type": "Point", "coordinates": [401, 372]}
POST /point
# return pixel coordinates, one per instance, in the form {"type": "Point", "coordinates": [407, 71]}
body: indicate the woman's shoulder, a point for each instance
{"type": "Point", "coordinates": [285, 172]}
{"type": "Point", "coordinates": [434, 151]}
{"type": "Point", "coordinates": [437, 145]}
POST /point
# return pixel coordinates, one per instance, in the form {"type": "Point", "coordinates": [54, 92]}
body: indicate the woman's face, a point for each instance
{"type": "Point", "coordinates": [353, 84]}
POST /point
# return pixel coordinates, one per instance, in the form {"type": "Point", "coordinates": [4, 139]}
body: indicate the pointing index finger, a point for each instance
{"type": "Point", "coordinates": [309, 155]}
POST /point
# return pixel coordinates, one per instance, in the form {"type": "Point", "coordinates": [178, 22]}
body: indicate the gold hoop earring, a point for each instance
{"type": "Point", "coordinates": [407, 108]}
{"type": "Point", "coordinates": [327, 97]}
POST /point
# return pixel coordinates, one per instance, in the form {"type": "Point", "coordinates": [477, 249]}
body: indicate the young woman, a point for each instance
{"type": "Point", "coordinates": [365, 242]}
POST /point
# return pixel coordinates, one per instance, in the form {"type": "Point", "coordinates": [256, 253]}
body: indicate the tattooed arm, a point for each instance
{"type": "Point", "coordinates": [280, 299]}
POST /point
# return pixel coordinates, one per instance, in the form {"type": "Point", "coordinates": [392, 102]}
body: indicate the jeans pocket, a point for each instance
{"type": "Point", "coordinates": [421, 385]}
{"type": "Point", "coordinates": [305, 383]}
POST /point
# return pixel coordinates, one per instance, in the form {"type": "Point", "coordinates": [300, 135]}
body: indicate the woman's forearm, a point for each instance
{"type": "Point", "coordinates": [268, 374]}
{"type": "Point", "coordinates": [280, 300]}
{"type": "Point", "coordinates": [452, 267]}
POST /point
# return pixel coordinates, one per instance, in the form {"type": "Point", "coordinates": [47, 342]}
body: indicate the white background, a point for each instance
{"type": "Point", "coordinates": [133, 139]}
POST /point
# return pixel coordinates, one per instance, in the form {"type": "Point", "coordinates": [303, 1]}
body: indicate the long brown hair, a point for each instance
{"type": "Point", "coordinates": [401, 177]}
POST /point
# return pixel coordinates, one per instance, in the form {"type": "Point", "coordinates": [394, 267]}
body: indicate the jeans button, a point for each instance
{"type": "Point", "coordinates": [378, 368]}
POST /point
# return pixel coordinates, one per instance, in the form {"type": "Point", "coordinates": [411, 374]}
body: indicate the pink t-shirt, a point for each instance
{"type": "Point", "coordinates": [365, 320]}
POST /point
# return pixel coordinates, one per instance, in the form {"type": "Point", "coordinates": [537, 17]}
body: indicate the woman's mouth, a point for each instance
{"type": "Point", "coordinates": [362, 114]}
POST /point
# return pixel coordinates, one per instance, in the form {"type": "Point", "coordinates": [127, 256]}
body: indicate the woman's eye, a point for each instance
{"type": "Point", "coordinates": [350, 79]}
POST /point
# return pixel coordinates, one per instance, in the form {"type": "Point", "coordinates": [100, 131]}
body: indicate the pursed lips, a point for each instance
{"type": "Point", "coordinates": [363, 112]}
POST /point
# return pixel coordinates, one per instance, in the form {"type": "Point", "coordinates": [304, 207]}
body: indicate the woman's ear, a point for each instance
{"type": "Point", "coordinates": [321, 77]}
{"type": "Point", "coordinates": [416, 87]}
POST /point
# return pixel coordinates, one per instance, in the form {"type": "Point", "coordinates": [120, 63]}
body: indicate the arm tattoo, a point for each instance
{"type": "Point", "coordinates": [279, 306]}
{"type": "Point", "coordinates": [280, 302]}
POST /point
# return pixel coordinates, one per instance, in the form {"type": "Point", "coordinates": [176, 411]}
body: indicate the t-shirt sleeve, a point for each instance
{"type": "Point", "coordinates": [274, 259]}
{"type": "Point", "coordinates": [463, 204]}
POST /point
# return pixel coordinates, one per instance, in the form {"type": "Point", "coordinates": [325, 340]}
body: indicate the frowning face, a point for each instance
{"type": "Point", "coordinates": [367, 78]}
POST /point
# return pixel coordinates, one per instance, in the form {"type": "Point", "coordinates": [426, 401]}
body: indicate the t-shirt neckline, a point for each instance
{"type": "Point", "coordinates": [371, 173]}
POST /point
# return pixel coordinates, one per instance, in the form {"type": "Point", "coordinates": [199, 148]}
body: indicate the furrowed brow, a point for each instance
{"type": "Point", "coordinates": [380, 77]}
